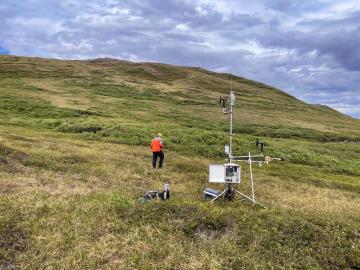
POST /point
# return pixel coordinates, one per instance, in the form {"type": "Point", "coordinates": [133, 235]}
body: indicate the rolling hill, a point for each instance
{"type": "Point", "coordinates": [74, 159]}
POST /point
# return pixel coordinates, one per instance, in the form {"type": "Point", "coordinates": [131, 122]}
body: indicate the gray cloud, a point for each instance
{"type": "Point", "coordinates": [337, 38]}
{"type": "Point", "coordinates": [308, 48]}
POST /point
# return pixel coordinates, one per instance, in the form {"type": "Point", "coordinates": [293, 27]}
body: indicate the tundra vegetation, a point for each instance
{"type": "Point", "coordinates": [75, 158]}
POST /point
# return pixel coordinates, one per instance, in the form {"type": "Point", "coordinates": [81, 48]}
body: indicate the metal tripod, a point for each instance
{"type": "Point", "coordinates": [229, 191]}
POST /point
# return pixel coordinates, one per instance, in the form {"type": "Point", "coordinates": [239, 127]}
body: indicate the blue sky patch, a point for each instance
{"type": "Point", "coordinates": [3, 50]}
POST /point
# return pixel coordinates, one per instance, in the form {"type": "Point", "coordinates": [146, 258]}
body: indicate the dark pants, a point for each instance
{"type": "Point", "coordinates": [157, 155]}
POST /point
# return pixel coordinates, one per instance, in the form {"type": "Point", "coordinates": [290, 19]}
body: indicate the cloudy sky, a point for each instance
{"type": "Point", "coordinates": [309, 48]}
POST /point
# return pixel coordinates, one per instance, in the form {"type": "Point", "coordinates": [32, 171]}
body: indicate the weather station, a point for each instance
{"type": "Point", "coordinates": [229, 173]}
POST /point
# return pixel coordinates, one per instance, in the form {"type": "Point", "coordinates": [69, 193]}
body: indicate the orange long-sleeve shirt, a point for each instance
{"type": "Point", "coordinates": [156, 145]}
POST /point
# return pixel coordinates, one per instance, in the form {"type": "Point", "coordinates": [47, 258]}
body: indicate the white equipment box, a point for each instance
{"type": "Point", "coordinates": [225, 173]}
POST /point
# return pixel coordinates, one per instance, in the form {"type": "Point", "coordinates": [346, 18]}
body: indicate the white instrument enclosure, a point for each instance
{"type": "Point", "coordinates": [227, 149]}
{"type": "Point", "coordinates": [225, 173]}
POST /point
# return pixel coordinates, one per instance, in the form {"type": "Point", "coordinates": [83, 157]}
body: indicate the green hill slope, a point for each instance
{"type": "Point", "coordinates": [74, 158]}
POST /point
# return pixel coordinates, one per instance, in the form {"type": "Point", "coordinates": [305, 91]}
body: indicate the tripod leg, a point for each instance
{"type": "Point", "coordinates": [247, 197]}
{"type": "Point", "coordinates": [251, 179]}
{"type": "Point", "coordinates": [218, 196]}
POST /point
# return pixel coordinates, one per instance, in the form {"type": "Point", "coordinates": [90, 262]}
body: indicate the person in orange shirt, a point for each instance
{"type": "Point", "coordinates": [156, 148]}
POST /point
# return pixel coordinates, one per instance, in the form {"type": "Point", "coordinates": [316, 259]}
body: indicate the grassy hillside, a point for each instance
{"type": "Point", "coordinates": [74, 159]}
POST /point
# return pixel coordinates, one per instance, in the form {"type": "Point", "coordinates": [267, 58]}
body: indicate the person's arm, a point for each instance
{"type": "Point", "coordinates": [161, 144]}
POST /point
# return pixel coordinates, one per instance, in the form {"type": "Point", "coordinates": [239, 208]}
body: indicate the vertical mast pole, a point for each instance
{"type": "Point", "coordinates": [232, 104]}
{"type": "Point", "coordinates": [230, 135]}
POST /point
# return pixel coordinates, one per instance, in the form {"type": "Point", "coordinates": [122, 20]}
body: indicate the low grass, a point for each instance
{"type": "Point", "coordinates": [71, 174]}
